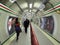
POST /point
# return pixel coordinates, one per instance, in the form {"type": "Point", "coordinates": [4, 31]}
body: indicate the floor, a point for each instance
{"type": "Point", "coordinates": [25, 39]}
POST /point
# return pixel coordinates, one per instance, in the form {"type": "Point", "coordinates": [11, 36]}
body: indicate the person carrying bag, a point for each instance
{"type": "Point", "coordinates": [17, 28]}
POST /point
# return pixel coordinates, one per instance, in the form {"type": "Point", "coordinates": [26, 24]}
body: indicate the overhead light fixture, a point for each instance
{"type": "Point", "coordinates": [30, 10]}
{"type": "Point", "coordinates": [30, 5]}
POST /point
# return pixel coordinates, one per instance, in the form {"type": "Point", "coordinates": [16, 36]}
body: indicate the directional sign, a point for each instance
{"type": "Point", "coordinates": [12, 1]}
{"type": "Point", "coordinates": [42, 6]}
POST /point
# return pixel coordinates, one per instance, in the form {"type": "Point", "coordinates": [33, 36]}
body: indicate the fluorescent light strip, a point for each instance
{"type": "Point", "coordinates": [30, 10]}
{"type": "Point", "coordinates": [30, 5]}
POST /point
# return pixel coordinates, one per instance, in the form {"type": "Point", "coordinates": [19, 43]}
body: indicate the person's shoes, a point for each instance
{"type": "Point", "coordinates": [17, 39]}
{"type": "Point", "coordinates": [26, 32]}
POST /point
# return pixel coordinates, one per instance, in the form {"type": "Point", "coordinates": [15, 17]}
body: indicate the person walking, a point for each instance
{"type": "Point", "coordinates": [17, 28]}
{"type": "Point", "coordinates": [26, 24]}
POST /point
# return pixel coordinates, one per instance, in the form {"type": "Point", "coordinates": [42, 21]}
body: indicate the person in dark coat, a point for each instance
{"type": "Point", "coordinates": [17, 28]}
{"type": "Point", "coordinates": [26, 24]}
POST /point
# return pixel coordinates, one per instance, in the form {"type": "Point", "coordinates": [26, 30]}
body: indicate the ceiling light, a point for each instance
{"type": "Point", "coordinates": [30, 10]}
{"type": "Point", "coordinates": [30, 5]}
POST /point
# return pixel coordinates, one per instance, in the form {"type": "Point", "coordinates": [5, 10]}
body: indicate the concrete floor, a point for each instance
{"type": "Point", "coordinates": [25, 39]}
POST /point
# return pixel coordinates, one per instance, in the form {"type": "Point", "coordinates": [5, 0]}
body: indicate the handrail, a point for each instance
{"type": "Point", "coordinates": [34, 40]}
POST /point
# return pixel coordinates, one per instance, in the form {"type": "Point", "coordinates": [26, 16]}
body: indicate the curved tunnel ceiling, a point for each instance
{"type": "Point", "coordinates": [24, 4]}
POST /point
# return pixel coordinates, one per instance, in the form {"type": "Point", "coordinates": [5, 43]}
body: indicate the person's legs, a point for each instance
{"type": "Point", "coordinates": [25, 29]}
{"type": "Point", "coordinates": [17, 36]}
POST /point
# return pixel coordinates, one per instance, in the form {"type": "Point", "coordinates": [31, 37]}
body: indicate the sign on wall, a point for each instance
{"type": "Point", "coordinates": [10, 25]}
{"type": "Point", "coordinates": [47, 23]}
